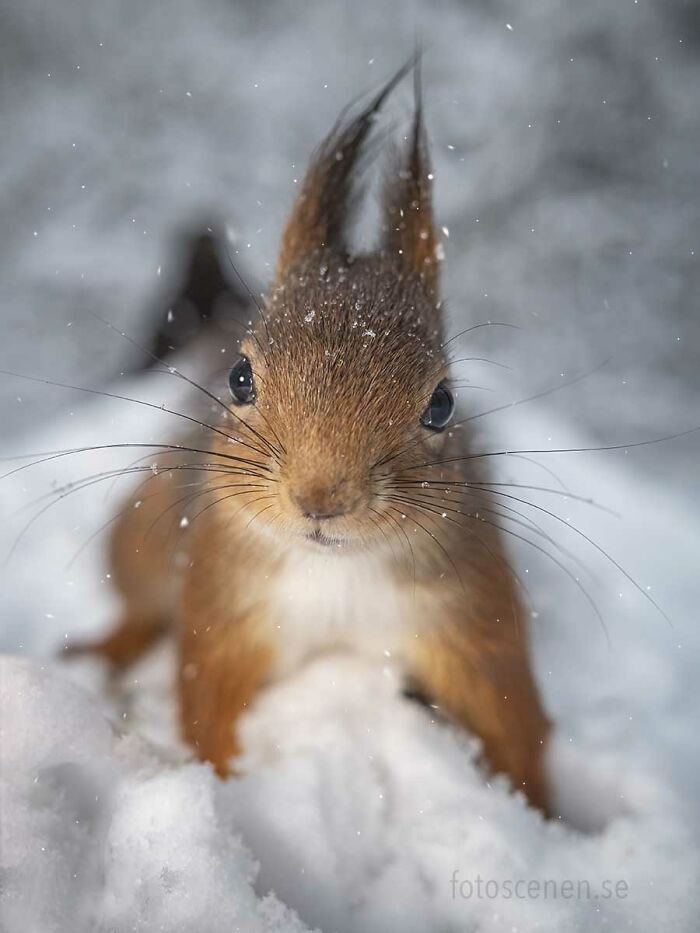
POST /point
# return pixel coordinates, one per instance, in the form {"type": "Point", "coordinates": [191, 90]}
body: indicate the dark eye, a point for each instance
{"type": "Point", "coordinates": [240, 382]}
{"type": "Point", "coordinates": [438, 413]}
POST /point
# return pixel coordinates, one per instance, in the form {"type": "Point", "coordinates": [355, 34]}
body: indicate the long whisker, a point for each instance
{"type": "Point", "coordinates": [416, 438]}
{"type": "Point", "coordinates": [249, 292]}
{"type": "Point", "coordinates": [561, 566]}
{"type": "Point", "coordinates": [173, 370]}
{"type": "Point", "coordinates": [162, 468]}
{"type": "Point", "coordinates": [436, 500]}
{"type": "Point", "coordinates": [378, 524]}
{"type": "Point", "coordinates": [119, 514]}
{"type": "Point", "coordinates": [113, 519]}
{"type": "Point", "coordinates": [497, 558]}
{"type": "Point", "coordinates": [537, 395]}
{"type": "Point", "coordinates": [402, 530]}
{"type": "Point", "coordinates": [136, 401]}
{"type": "Point", "coordinates": [466, 484]}
{"type": "Point", "coordinates": [593, 544]}
{"type": "Point", "coordinates": [468, 330]}
{"type": "Point", "coordinates": [186, 500]}
{"type": "Point", "coordinates": [541, 466]}
{"type": "Point", "coordinates": [524, 521]}
{"type": "Point", "coordinates": [555, 450]}
{"type": "Point", "coordinates": [258, 514]}
{"type": "Point", "coordinates": [79, 486]}
{"type": "Point", "coordinates": [83, 547]}
{"type": "Point", "coordinates": [555, 560]}
{"type": "Point", "coordinates": [481, 359]}
{"type": "Point", "coordinates": [254, 335]}
{"type": "Point", "coordinates": [118, 472]}
{"type": "Point", "coordinates": [439, 544]}
{"type": "Point", "coordinates": [155, 447]}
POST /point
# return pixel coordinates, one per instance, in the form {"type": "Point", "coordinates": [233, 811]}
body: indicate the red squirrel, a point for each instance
{"type": "Point", "coordinates": [338, 508]}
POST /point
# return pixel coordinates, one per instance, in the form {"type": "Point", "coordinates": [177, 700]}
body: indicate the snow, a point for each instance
{"type": "Point", "coordinates": [101, 833]}
{"type": "Point", "coordinates": [355, 808]}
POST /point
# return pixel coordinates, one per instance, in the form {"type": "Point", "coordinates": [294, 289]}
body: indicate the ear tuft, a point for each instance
{"type": "Point", "coordinates": [321, 214]}
{"type": "Point", "coordinates": [409, 227]}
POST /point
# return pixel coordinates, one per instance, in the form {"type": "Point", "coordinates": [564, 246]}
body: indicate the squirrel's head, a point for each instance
{"type": "Point", "coordinates": [341, 382]}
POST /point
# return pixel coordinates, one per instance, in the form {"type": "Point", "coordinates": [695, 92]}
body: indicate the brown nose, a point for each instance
{"type": "Point", "coordinates": [323, 502]}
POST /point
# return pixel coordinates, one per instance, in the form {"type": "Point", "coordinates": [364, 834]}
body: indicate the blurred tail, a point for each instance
{"type": "Point", "coordinates": [199, 298]}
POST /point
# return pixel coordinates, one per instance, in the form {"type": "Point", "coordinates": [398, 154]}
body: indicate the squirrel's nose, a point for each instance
{"type": "Point", "coordinates": [321, 503]}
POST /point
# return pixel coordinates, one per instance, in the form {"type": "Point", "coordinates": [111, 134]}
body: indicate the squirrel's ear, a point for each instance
{"type": "Point", "coordinates": [322, 210]}
{"type": "Point", "coordinates": [409, 228]}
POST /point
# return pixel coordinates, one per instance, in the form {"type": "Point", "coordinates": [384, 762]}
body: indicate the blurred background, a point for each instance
{"type": "Point", "coordinates": [565, 138]}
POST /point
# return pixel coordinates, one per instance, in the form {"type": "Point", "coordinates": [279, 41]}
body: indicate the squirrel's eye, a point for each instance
{"type": "Point", "coordinates": [240, 382]}
{"type": "Point", "coordinates": [440, 409]}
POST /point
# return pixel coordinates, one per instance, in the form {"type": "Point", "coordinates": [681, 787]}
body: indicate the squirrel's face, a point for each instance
{"type": "Point", "coordinates": [340, 386]}
{"type": "Point", "coordinates": [343, 384]}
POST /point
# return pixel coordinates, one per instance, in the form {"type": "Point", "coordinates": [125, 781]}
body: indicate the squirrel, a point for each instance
{"type": "Point", "coordinates": [338, 496]}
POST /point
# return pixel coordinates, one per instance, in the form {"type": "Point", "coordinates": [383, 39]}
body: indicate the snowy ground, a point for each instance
{"type": "Point", "coordinates": [565, 139]}
{"type": "Point", "coordinates": [356, 808]}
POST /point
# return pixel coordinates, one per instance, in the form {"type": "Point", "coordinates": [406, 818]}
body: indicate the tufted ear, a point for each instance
{"type": "Point", "coordinates": [409, 228]}
{"type": "Point", "coordinates": [324, 207]}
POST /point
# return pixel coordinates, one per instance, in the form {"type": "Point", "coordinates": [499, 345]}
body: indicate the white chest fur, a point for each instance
{"type": "Point", "coordinates": [320, 602]}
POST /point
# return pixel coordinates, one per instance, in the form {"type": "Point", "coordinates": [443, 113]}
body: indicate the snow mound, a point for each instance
{"type": "Point", "coordinates": [363, 813]}
{"type": "Point", "coordinates": [101, 833]}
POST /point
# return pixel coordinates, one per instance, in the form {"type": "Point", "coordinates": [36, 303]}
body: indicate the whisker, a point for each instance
{"type": "Point", "coordinates": [545, 469]}
{"type": "Point", "coordinates": [119, 514]}
{"type": "Point", "coordinates": [552, 558]}
{"type": "Point", "coordinates": [440, 545]}
{"type": "Point", "coordinates": [481, 359]}
{"type": "Point", "coordinates": [537, 395]}
{"type": "Point", "coordinates": [378, 524]}
{"type": "Point", "coordinates": [116, 517]}
{"type": "Point", "coordinates": [125, 446]}
{"type": "Point", "coordinates": [162, 467]}
{"type": "Point", "coordinates": [415, 439]}
{"type": "Point", "coordinates": [276, 453]}
{"type": "Point", "coordinates": [253, 334]}
{"type": "Point", "coordinates": [258, 514]}
{"type": "Point", "coordinates": [252, 297]}
{"type": "Point", "coordinates": [77, 486]}
{"type": "Point", "coordinates": [498, 559]}
{"type": "Point", "coordinates": [468, 330]}
{"type": "Point", "coordinates": [461, 386]}
{"type": "Point", "coordinates": [561, 566]}
{"type": "Point", "coordinates": [118, 472]}
{"type": "Point", "coordinates": [202, 492]}
{"type": "Point", "coordinates": [521, 401]}
{"type": "Point", "coordinates": [174, 371]}
{"type": "Point", "coordinates": [594, 544]}
{"type": "Point", "coordinates": [136, 401]}
{"type": "Point", "coordinates": [410, 547]}
{"type": "Point", "coordinates": [522, 520]}
{"type": "Point", "coordinates": [469, 483]}
{"type": "Point", "coordinates": [223, 499]}
{"type": "Point", "coordinates": [83, 547]}
{"type": "Point", "coordinates": [556, 450]}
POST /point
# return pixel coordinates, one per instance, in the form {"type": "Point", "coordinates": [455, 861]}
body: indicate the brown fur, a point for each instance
{"type": "Point", "coordinates": [345, 358]}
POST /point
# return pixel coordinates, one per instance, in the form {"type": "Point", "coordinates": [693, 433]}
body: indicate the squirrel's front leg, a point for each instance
{"type": "Point", "coordinates": [479, 675]}
{"type": "Point", "coordinates": [222, 665]}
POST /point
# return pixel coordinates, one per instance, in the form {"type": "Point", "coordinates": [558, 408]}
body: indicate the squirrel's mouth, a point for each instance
{"type": "Point", "coordinates": [317, 537]}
